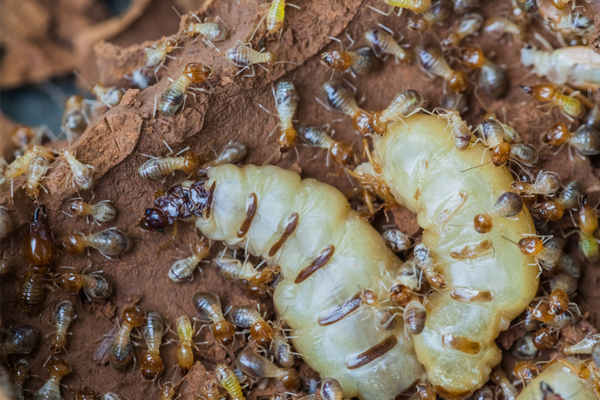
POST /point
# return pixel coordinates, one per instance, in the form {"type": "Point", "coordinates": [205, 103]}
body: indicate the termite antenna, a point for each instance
{"type": "Point", "coordinates": [176, 12]}
{"type": "Point", "coordinates": [477, 166]}
{"type": "Point", "coordinates": [512, 241]}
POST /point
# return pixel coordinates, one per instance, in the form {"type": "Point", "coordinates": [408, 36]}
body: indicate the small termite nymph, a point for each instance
{"type": "Point", "coordinates": [396, 240]}
{"type": "Point", "coordinates": [415, 316]}
{"type": "Point", "coordinates": [406, 284]}
{"type": "Point", "coordinates": [155, 56]}
{"type": "Point", "coordinates": [176, 93]}
{"type": "Point", "coordinates": [183, 269]}
{"type": "Point", "coordinates": [433, 63]}
{"type": "Point", "coordinates": [82, 173]}
{"type": "Point", "coordinates": [139, 78]}
{"type": "Point", "coordinates": [248, 317]}
{"type": "Point", "coordinates": [185, 353]}
{"type": "Point", "coordinates": [101, 212]}
{"type": "Point", "coordinates": [244, 56]}
{"type": "Point", "coordinates": [340, 151]}
{"type": "Point", "coordinates": [424, 262]}
{"type": "Point", "coordinates": [94, 285]}
{"type": "Point", "coordinates": [492, 78]}
{"type": "Point", "coordinates": [286, 102]}
{"type": "Point", "coordinates": [74, 119]}
{"type": "Point", "coordinates": [211, 31]}
{"type": "Point", "coordinates": [570, 106]}
{"type": "Point", "coordinates": [358, 62]}
{"type": "Point", "coordinates": [461, 132]}
{"type": "Point", "coordinates": [19, 340]}
{"type": "Point", "coordinates": [438, 12]}
{"type": "Point", "coordinates": [120, 352]}
{"type": "Point", "coordinates": [497, 27]}
{"type": "Point", "coordinates": [109, 96]}
{"type": "Point", "coordinates": [38, 167]}
{"type": "Point", "coordinates": [257, 366]}
{"type": "Point", "coordinates": [404, 105]}
{"type": "Point", "coordinates": [227, 378]}
{"type": "Point", "coordinates": [208, 307]}
{"type": "Point", "coordinates": [584, 346]}
{"type": "Point", "coordinates": [157, 168]}
{"type": "Point", "coordinates": [469, 25]}
{"type": "Point", "coordinates": [492, 135]}
{"type": "Point", "coordinates": [508, 205]}
{"type": "Point", "coordinates": [109, 242]}
{"type": "Point", "coordinates": [151, 364]}
{"type": "Point", "coordinates": [554, 210]}
{"type": "Point", "coordinates": [232, 153]}
{"type": "Point", "coordinates": [585, 140]}
{"type": "Point", "coordinates": [547, 183]}
{"type": "Point", "coordinates": [340, 97]}
{"type": "Point", "coordinates": [64, 314]}
{"type": "Point", "coordinates": [51, 389]}
{"type": "Point", "coordinates": [381, 42]}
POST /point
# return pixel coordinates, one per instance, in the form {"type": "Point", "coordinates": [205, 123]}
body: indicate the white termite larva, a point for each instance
{"type": "Point", "coordinates": [309, 229]}
{"type": "Point", "coordinates": [446, 200]}
{"type": "Point", "coordinates": [82, 173]}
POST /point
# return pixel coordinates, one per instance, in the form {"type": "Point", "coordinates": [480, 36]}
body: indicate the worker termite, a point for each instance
{"type": "Point", "coordinates": [460, 131]}
{"type": "Point", "coordinates": [497, 27]}
{"type": "Point", "coordinates": [6, 225]}
{"type": "Point", "coordinates": [156, 55]}
{"type": "Point", "coordinates": [424, 261]}
{"type": "Point", "coordinates": [585, 140]}
{"type": "Point", "coordinates": [176, 93]}
{"type": "Point", "coordinates": [340, 151]}
{"type": "Point", "coordinates": [546, 253]}
{"type": "Point", "coordinates": [167, 392]}
{"type": "Point", "coordinates": [466, 6]}
{"type": "Point", "coordinates": [417, 6]}
{"type": "Point", "coordinates": [492, 78]}
{"type": "Point", "coordinates": [553, 210]}
{"type": "Point", "coordinates": [576, 66]}
{"type": "Point", "coordinates": [231, 268]}
{"type": "Point", "coordinates": [109, 96]}
{"type": "Point", "coordinates": [584, 346]}
{"type": "Point", "coordinates": [258, 367]}
{"type": "Point", "coordinates": [523, 153]}
{"type": "Point", "coordinates": [232, 153]}
{"type": "Point", "coordinates": [248, 317]}
{"type": "Point", "coordinates": [415, 316]}
{"type": "Point", "coordinates": [492, 135]}
{"type": "Point", "coordinates": [100, 212]}
{"type": "Point", "coordinates": [109, 242]}
{"type": "Point", "coordinates": [19, 340]}
{"type": "Point", "coordinates": [183, 269]}
{"type": "Point", "coordinates": [274, 16]}
{"type": "Point", "coordinates": [396, 240]}
{"type": "Point", "coordinates": [340, 97]}
{"type": "Point", "coordinates": [359, 62]}
{"type": "Point", "coordinates": [525, 371]}
{"type": "Point", "coordinates": [208, 307]}
{"type": "Point", "coordinates": [382, 42]}
{"type": "Point", "coordinates": [25, 136]}
{"type": "Point", "coordinates": [38, 166]}
{"type": "Point", "coordinates": [402, 106]}
{"type": "Point", "coordinates": [588, 224]}
{"type": "Point", "coordinates": [280, 348]}
{"type": "Point", "coordinates": [469, 25]}
{"type": "Point", "coordinates": [244, 56]}
{"type": "Point", "coordinates": [21, 165]}
{"type": "Point", "coordinates": [58, 368]}
{"type": "Point", "coordinates": [508, 390]}
{"type": "Point", "coordinates": [82, 173]}
{"type": "Point", "coordinates": [569, 106]}
{"type": "Point", "coordinates": [286, 101]}
{"type": "Point", "coordinates": [185, 353]}
{"type": "Point", "coordinates": [20, 373]}
{"type": "Point", "coordinates": [210, 31]}
{"type": "Point", "coordinates": [151, 364]}
{"type": "Point", "coordinates": [227, 378]}
{"type": "Point", "coordinates": [438, 12]}
{"type": "Point", "coordinates": [120, 352]}
{"type": "Point", "coordinates": [432, 62]}
{"type": "Point", "coordinates": [75, 119]}
{"type": "Point", "coordinates": [157, 168]}
{"type": "Point", "coordinates": [546, 183]}
{"type": "Point", "coordinates": [94, 285]}
{"type": "Point", "coordinates": [64, 314]}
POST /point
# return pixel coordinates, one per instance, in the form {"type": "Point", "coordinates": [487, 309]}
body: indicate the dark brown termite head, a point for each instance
{"type": "Point", "coordinates": [154, 220]}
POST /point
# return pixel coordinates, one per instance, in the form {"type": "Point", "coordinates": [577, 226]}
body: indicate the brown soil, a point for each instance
{"type": "Point", "coordinates": [114, 144]}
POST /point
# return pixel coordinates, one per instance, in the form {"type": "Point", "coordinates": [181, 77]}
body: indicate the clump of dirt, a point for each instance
{"type": "Point", "coordinates": [117, 141]}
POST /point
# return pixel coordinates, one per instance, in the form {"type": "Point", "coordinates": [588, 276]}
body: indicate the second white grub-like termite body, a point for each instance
{"type": "Point", "coordinates": [490, 281]}
{"type": "Point", "coordinates": [562, 381]}
{"type": "Point", "coordinates": [328, 256]}
{"type": "Point", "coordinates": [578, 66]}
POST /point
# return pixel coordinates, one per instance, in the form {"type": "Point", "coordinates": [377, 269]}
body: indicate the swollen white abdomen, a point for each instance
{"type": "Point", "coordinates": [329, 256]}
{"type": "Point", "coordinates": [423, 168]}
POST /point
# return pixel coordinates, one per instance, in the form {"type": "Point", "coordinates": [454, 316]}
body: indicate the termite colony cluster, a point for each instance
{"type": "Point", "coordinates": [376, 314]}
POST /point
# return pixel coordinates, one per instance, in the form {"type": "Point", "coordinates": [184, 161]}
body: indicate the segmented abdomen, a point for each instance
{"type": "Point", "coordinates": [172, 98]}
{"type": "Point", "coordinates": [275, 16]}
{"type": "Point", "coordinates": [327, 255]}
{"type": "Point", "coordinates": [423, 171]}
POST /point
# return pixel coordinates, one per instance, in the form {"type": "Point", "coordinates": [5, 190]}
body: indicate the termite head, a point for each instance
{"type": "Point", "coordinates": [543, 339]}
{"type": "Point", "coordinates": [342, 153]}
{"type": "Point", "coordinates": [528, 55]}
{"type": "Point", "coordinates": [525, 370]}
{"type": "Point", "coordinates": [472, 57]}
{"type": "Point", "coordinates": [557, 135]}
{"type": "Point", "coordinates": [169, 44]}
{"type": "Point", "coordinates": [73, 243]}
{"type": "Point", "coordinates": [190, 162]}
{"type": "Point", "coordinates": [67, 153]}
{"type": "Point", "coordinates": [154, 220]}
{"type": "Point", "coordinates": [74, 102]}
{"type": "Point", "coordinates": [262, 333]}
{"type": "Point", "coordinates": [558, 301]}
{"type": "Point", "coordinates": [379, 126]}
{"type": "Point", "coordinates": [500, 154]}
{"type": "Point", "coordinates": [57, 366]}
{"type": "Point", "coordinates": [134, 316]}
{"type": "Point", "coordinates": [543, 92]}
{"type": "Point", "coordinates": [271, 58]}
{"type": "Point", "coordinates": [400, 295]}
{"type": "Point", "coordinates": [549, 210]}
{"type": "Point", "coordinates": [338, 60]}
{"type": "Point", "coordinates": [223, 332]}
{"type": "Point", "coordinates": [362, 122]}
{"type": "Point", "coordinates": [287, 139]}
{"type": "Point", "coordinates": [77, 207]}
{"type": "Point", "coordinates": [197, 72]}
{"type": "Point", "coordinates": [22, 135]}
{"type": "Point", "coordinates": [459, 82]}
{"type": "Point", "coordinates": [531, 245]}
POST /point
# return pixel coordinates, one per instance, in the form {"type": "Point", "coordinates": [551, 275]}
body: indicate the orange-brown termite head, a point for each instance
{"type": "Point", "coordinates": [168, 45]}
{"type": "Point", "coordinates": [338, 60]}
{"type": "Point", "coordinates": [197, 72]}
{"type": "Point", "coordinates": [531, 245]}
{"type": "Point", "coordinates": [472, 57]}
{"type": "Point", "coordinates": [459, 82]}
{"type": "Point", "coordinates": [500, 154]}
{"type": "Point", "coordinates": [558, 134]}
{"type": "Point", "coordinates": [543, 92]}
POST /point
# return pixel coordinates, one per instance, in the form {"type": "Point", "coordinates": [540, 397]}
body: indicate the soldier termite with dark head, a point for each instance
{"type": "Point", "coordinates": [244, 56]}
{"type": "Point", "coordinates": [508, 205]}
{"type": "Point", "coordinates": [176, 93]}
{"type": "Point", "coordinates": [94, 285]}
{"type": "Point", "coordinates": [286, 102]}
{"type": "Point", "coordinates": [469, 25]}
{"type": "Point", "coordinates": [257, 366]}
{"type": "Point", "coordinates": [51, 389]}
{"type": "Point", "coordinates": [209, 309]}
{"type": "Point", "coordinates": [120, 352]}
{"type": "Point", "coordinates": [101, 212]}
{"type": "Point", "coordinates": [151, 364]}
{"type": "Point", "coordinates": [403, 105]}
{"type": "Point", "coordinates": [492, 78]}
{"type": "Point", "coordinates": [248, 317]}
{"type": "Point", "coordinates": [438, 12]}
{"type": "Point", "coordinates": [571, 107]}
{"type": "Point", "coordinates": [74, 119]}
{"type": "Point", "coordinates": [19, 340]}
{"type": "Point", "coordinates": [157, 168]}
{"type": "Point", "coordinates": [82, 173]}
{"type": "Point", "coordinates": [382, 42]}
{"type": "Point", "coordinates": [183, 269]}
{"type": "Point", "coordinates": [109, 96]}
{"type": "Point", "coordinates": [433, 63]}
{"type": "Point", "coordinates": [232, 153]}
{"type": "Point", "coordinates": [340, 97]}
{"type": "Point", "coordinates": [340, 151]}
{"type": "Point", "coordinates": [109, 242]}
{"type": "Point", "coordinates": [184, 352]}
{"type": "Point", "coordinates": [585, 140]}
{"type": "Point", "coordinates": [64, 314]}
{"type": "Point", "coordinates": [497, 27]}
